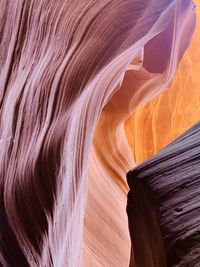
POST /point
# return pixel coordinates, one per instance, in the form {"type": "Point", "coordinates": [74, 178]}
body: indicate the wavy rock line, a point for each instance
{"type": "Point", "coordinates": [110, 157]}
{"type": "Point", "coordinates": [169, 115]}
{"type": "Point", "coordinates": [60, 64]}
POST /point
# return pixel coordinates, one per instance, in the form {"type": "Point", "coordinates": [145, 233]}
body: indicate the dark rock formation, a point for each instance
{"type": "Point", "coordinates": [164, 205]}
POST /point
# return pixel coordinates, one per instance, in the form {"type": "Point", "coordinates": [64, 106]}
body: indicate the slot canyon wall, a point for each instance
{"type": "Point", "coordinates": [167, 116]}
{"type": "Point", "coordinates": [164, 119]}
{"type": "Point", "coordinates": [75, 77]}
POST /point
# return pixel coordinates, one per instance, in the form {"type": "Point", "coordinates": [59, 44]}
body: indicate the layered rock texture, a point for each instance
{"type": "Point", "coordinates": [167, 116]}
{"type": "Point", "coordinates": [71, 73]}
{"type": "Point", "coordinates": [164, 205]}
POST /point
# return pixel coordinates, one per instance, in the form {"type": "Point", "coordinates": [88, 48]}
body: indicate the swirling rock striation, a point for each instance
{"type": "Point", "coordinates": [65, 67]}
{"type": "Point", "coordinates": [110, 156]}
{"type": "Point", "coordinates": [164, 205]}
{"type": "Point", "coordinates": [153, 126]}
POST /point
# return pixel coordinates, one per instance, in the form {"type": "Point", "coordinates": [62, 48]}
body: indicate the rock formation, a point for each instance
{"type": "Point", "coordinates": [164, 205]}
{"type": "Point", "coordinates": [71, 73]}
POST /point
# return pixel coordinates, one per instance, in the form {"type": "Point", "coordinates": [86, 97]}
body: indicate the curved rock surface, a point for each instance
{"type": "Point", "coordinates": [111, 158]}
{"type": "Point", "coordinates": [71, 72]}
{"type": "Point", "coordinates": [169, 115]}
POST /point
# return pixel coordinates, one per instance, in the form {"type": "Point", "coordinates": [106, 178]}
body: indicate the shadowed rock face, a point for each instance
{"type": "Point", "coordinates": [164, 205]}
{"type": "Point", "coordinates": [72, 71]}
